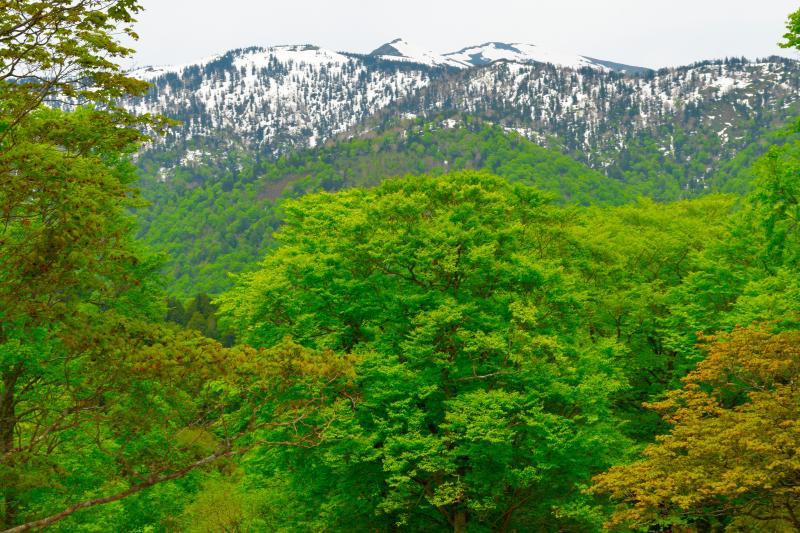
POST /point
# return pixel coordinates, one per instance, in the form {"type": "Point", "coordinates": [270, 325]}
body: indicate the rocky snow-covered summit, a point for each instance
{"type": "Point", "coordinates": [277, 98]}
{"type": "Point", "coordinates": [401, 50]}
{"type": "Point", "coordinates": [487, 53]}
{"type": "Point", "coordinates": [281, 98]}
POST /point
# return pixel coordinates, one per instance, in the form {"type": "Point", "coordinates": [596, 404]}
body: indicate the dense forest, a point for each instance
{"type": "Point", "coordinates": [436, 327]}
{"type": "Point", "coordinates": [218, 216]}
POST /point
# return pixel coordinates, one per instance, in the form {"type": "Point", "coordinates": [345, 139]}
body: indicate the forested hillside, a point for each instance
{"type": "Point", "coordinates": [505, 345]}
{"type": "Point", "coordinates": [427, 323]}
{"type": "Point", "coordinates": [215, 214]}
{"type": "Point", "coordinates": [215, 182]}
{"type": "Point", "coordinates": [675, 125]}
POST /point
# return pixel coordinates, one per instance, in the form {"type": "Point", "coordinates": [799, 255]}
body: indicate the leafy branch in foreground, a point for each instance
{"type": "Point", "coordinates": [66, 51]}
{"type": "Point", "coordinates": [99, 401]}
{"type": "Point", "coordinates": [143, 405]}
{"type": "Point", "coordinates": [792, 34]}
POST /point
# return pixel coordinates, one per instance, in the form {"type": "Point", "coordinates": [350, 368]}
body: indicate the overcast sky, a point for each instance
{"type": "Point", "coordinates": [648, 33]}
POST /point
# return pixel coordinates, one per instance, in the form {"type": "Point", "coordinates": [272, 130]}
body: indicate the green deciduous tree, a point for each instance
{"type": "Point", "coordinates": [97, 400]}
{"type": "Point", "coordinates": [64, 186]}
{"type": "Point", "coordinates": [792, 35]}
{"type": "Point", "coordinates": [64, 51]}
{"type": "Point", "coordinates": [481, 402]}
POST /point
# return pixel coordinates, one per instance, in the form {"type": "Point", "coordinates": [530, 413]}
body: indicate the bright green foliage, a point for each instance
{"type": "Point", "coordinates": [778, 202]}
{"type": "Point", "coordinates": [223, 505]}
{"type": "Point", "coordinates": [473, 302]}
{"type": "Point", "coordinates": [218, 216]}
{"type": "Point", "coordinates": [481, 401]}
{"type": "Point", "coordinates": [199, 314]}
{"type": "Point", "coordinates": [447, 351]}
{"type": "Point", "coordinates": [633, 262]}
{"type": "Point", "coordinates": [70, 274]}
{"type": "Point", "coordinates": [750, 276]}
{"type": "Point", "coordinates": [61, 49]}
{"type": "Point", "coordinates": [738, 175]}
{"type": "Point", "coordinates": [729, 460]}
{"type": "Point", "coordinates": [98, 400]}
{"type": "Point", "coordinates": [65, 186]}
{"type": "Point", "coordinates": [792, 35]}
{"type": "Point", "coordinates": [64, 252]}
{"type": "Point", "coordinates": [384, 274]}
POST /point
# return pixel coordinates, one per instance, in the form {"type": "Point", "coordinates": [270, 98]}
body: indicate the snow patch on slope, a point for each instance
{"type": "Point", "coordinates": [296, 54]}
{"type": "Point", "coordinates": [151, 72]}
{"type": "Point", "coordinates": [401, 50]}
{"type": "Point", "coordinates": [520, 53]}
{"type": "Point", "coordinates": [283, 97]}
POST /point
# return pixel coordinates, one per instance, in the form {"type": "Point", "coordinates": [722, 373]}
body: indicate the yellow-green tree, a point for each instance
{"type": "Point", "coordinates": [731, 457]}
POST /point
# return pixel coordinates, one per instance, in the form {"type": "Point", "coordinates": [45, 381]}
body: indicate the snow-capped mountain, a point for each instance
{"type": "Point", "coordinates": [401, 50]}
{"type": "Point", "coordinates": [487, 53]}
{"type": "Point", "coordinates": [673, 133]}
{"type": "Point", "coordinates": [597, 115]}
{"type": "Point", "coordinates": [484, 54]}
{"type": "Point", "coordinates": [279, 99]}
{"type": "Point", "coordinates": [151, 72]}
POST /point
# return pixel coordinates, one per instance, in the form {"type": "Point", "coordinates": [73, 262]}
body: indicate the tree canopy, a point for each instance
{"type": "Point", "coordinates": [447, 351]}
{"type": "Point", "coordinates": [479, 392]}
{"type": "Point", "coordinates": [98, 399]}
{"type": "Point", "coordinates": [731, 454]}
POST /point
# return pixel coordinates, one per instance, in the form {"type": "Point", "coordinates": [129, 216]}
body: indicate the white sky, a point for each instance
{"type": "Point", "coordinates": [650, 33]}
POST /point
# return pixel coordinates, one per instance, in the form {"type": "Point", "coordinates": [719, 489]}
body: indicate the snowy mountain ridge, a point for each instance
{"type": "Point", "coordinates": [491, 52]}
{"type": "Point", "coordinates": [400, 50]}
{"type": "Point", "coordinates": [255, 56]}
{"type": "Point", "coordinates": [487, 53]}
{"type": "Point", "coordinates": [285, 98]}
{"type": "Point", "coordinates": [280, 98]}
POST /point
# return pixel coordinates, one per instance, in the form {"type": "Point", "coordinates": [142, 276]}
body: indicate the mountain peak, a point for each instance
{"type": "Point", "coordinates": [401, 50]}
{"type": "Point", "coordinates": [490, 52]}
{"type": "Point", "coordinates": [483, 54]}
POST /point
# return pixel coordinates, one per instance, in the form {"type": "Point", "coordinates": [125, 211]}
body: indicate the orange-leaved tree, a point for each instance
{"type": "Point", "coordinates": [732, 457]}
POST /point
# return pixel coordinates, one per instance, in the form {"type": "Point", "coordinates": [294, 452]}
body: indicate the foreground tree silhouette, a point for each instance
{"type": "Point", "coordinates": [97, 400]}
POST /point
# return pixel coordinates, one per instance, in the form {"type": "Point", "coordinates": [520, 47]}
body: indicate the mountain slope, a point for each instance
{"type": "Point", "coordinates": [402, 50]}
{"type": "Point", "coordinates": [487, 53]}
{"type": "Point", "coordinates": [280, 99]}
{"type": "Point", "coordinates": [216, 214]}
{"type": "Point", "coordinates": [690, 119]}
{"type": "Point", "coordinates": [249, 116]}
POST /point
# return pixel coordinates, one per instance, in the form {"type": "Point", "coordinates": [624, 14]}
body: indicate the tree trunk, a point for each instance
{"type": "Point", "coordinates": [8, 423]}
{"type": "Point", "coordinates": [460, 522]}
